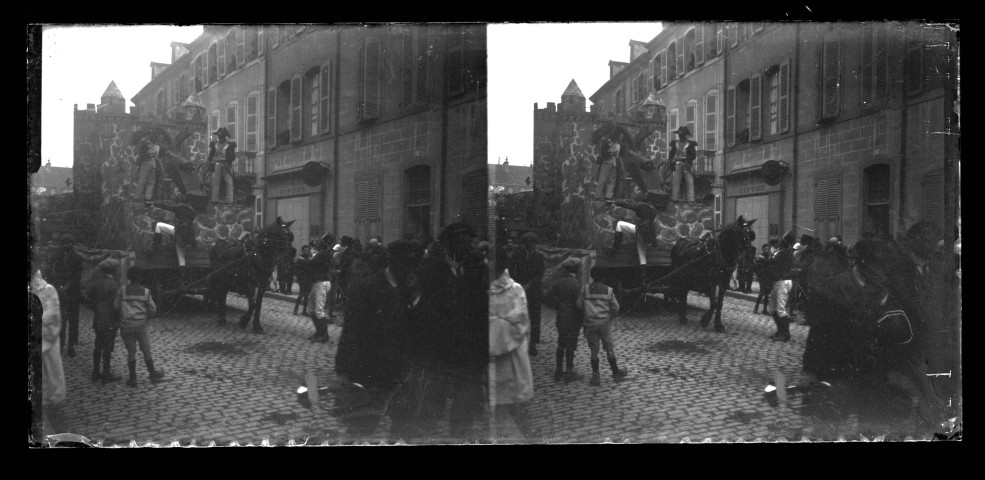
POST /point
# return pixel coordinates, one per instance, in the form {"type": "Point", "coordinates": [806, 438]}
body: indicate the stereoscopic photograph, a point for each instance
{"type": "Point", "coordinates": [480, 234]}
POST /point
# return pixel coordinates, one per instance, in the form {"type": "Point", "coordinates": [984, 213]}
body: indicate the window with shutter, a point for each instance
{"type": "Point", "coordinates": [932, 198]}
{"type": "Point", "coordinates": [914, 67]}
{"type": "Point", "coordinates": [649, 77]}
{"type": "Point", "coordinates": [756, 107]}
{"type": "Point", "coordinates": [773, 85]}
{"type": "Point", "coordinates": [213, 63]}
{"type": "Point", "coordinates": [455, 63]}
{"type": "Point", "coordinates": [240, 47]}
{"type": "Point", "coordinates": [680, 58]}
{"type": "Point", "coordinates": [642, 86]}
{"type": "Point", "coordinates": [296, 85]}
{"type": "Point", "coordinates": [689, 48]}
{"type": "Point", "coordinates": [261, 39]}
{"type": "Point", "coordinates": [252, 108]}
{"type": "Point", "coordinates": [214, 121]}
{"type": "Point", "coordinates": [421, 70]}
{"type": "Point", "coordinates": [371, 82]}
{"type": "Point", "coordinates": [881, 80]}
{"type": "Point", "coordinates": [711, 120]}
{"type": "Point", "coordinates": [362, 200]}
{"type": "Point", "coordinates": [699, 45]}
{"type": "Point", "coordinates": [673, 124]}
{"type": "Point", "coordinates": [183, 86]}
{"type": "Point", "coordinates": [325, 102]}
{"type": "Point", "coordinates": [733, 34]}
{"type": "Point", "coordinates": [274, 37]}
{"type": "Point", "coordinates": [730, 116]}
{"type": "Point", "coordinates": [868, 65]}
{"type": "Point", "coordinates": [785, 96]}
{"type": "Point", "coordinates": [197, 74]}
{"type": "Point", "coordinates": [831, 78]}
{"type": "Point", "coordinates": [671, 62]}
{"type": "Point", "coordinates": [407, 70]}
{"type": "Point", "coordinates": [691, 120]}
{"type": "Point", "coordinates": [827, 206]}
{"type": "Point", "coordinates": [229, 51]}
{"type": "Point", "coordinates": [374, 200]}
{"type": "Point", "coordinates": [271, 109]}
{"type": "Point", "coordinates": [232, 113]}
{"type": "Point", "coordinates": [313, 81]}
{"type": "Point", "coordinates": [252, 45]}
{"type": "Point", "coordinates": [635, 90]}
{"type": "Point", "coordinates": [720, 39]}
{"type": "Point", "coordinates": [663, 68]}
{"type": "Point", "coordinates": [221, 60]}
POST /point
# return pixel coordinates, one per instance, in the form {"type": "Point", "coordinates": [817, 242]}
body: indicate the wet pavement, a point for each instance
{"type": "Point", "coordinates": [222, 385]}
{"type": "Point", "coordinates": [225, 386]}
{"type": "Point", "coordinates": [690, 384]}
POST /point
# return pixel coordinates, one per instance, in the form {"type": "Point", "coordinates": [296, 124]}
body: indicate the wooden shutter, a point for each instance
{"type": "Point", "coordinates": [324, 102]}
{"type": "Point", "coordinates": [373, 199]}
{"type": "Point", "coordinates": [680, 57]}
{"type": "Point", "coordinates": [827, 206]}
{"type": "Point", "coordinates": [261, 39]}
{"type": "Point", "coordinates": [699, 45]}
{"type": "Point", "coordinates": [271, 108]}
{"type": "Point", "coordinates": [914, 67]}
{"type": "Point", "coordinates": [932, 201]}
{"type": "Point", "coordinates": [205, 67]}
{"type": "Point", "coordinates": [868, 65]}
{"type": "Point", "coordinates": [221, 63]}
{"type": "Point", "coordinates": [649, 76]}
{"type": "Point", "coordinates": [733, 34]}
{"type": "Point", "coordinates": [730, 116]}
{"type": "Point", "coordinates": [881, 66]}
{"type": "Point", "coordinates": [830, 78]}
{"type": "Point", "coordinates": [756, 107]}
{"type": "Point", "coordinates": [407, 71]}
{"type": "Point", "coordinates": [361, 199]}
{"type": "Point", "coordinates": [711, 122]}
{"type": "Point", "coordinates": [455, 62]}
{"type": "Point", "coordinates": [784, 106]}
{"type": "Point", "coordinates": [240, 46]}
{"type": "Point", "coordinates": [371, 78]}
{"type": "Point", "coordinates": [251, 122]}
{"type": "Point", "coordinates": [421, 67]}
{"type": "Point", "coordinates": [720, 39]}
{"type": "Point", "coordinates": [296, 85]}
{"type": "Point", "coordinates": [663, 69]}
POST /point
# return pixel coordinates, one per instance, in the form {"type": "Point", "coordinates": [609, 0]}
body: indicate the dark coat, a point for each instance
{"type": "Point", "coordinates": [690, 153]}
{"type": "Point", "coordinates": [66, 273]}
{"type": "Point", "coordinates": [453, 321]}
{"type": "Point", "coordinates": [374, 347]}
{"type": "Point", "coordinates": [318, 268]}
{"type": "Point", "coordinates": [563, 294]}
{"type": "Point", "coordinates": [230, 156]}
{"type": "Point", "coordinates": [527, 269]}
{"type": "Point", "coordinates": [101, 296]}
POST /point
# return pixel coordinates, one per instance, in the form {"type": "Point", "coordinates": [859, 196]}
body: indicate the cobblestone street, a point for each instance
{"type": "Point", "coordinates": [225, 385]}
{"type": "Point", "coordinates": [685, 384]}
{"type": "Point", "coordinates": [222, 384]}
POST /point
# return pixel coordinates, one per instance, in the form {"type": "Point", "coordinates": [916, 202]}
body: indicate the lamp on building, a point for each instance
{"type": "Point", "coordinates": [193, 108]}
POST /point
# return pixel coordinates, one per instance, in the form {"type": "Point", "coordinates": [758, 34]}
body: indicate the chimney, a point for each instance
{"type": "Point", "coordinates": [90, 107]}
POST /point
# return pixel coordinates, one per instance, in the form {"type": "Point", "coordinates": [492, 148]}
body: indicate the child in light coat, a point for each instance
{"type": "Point", "coordinates": [599, 303]}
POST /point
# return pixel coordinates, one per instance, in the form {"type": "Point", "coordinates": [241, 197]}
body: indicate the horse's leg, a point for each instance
{"type": "Point", "coordinates": [245, 319]}
{"type": "Point", "coordinates": [710, 290]}
{"type": "Point", "coordinates": [719, 300]}
{"type": "Point", "coordinates": [256, 311]}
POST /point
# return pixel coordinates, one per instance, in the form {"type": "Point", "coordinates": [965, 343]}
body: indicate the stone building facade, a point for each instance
{"type": "Point", "coordinates": [358, 130]}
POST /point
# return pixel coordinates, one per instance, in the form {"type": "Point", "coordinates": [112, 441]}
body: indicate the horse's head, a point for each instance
{"type": "Point", "coordinates": [276, 237]}
{"type": "Point", "coordinates": [738, 235]}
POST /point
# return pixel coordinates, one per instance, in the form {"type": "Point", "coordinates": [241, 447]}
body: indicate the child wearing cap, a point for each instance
{"type": "Point", "coordinates": [599, 304]}
{"type": "Point", "coordinates": [136, 306]}
{"type": "Point", "coordinates": [105, 320]}
{"type": "Point", "coordinates": [563, 295]}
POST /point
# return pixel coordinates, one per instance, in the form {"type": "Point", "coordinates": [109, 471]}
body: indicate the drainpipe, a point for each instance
{"type": "Point", "coordinates": [795, 82]}
{"type": "Point", "coordinates": [338, 135]}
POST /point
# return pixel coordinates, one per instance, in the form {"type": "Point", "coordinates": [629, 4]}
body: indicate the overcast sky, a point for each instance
{"type": "Point", "coordinates": [533, 63]}
{"type": "Point", "coordinates": [528, 63]}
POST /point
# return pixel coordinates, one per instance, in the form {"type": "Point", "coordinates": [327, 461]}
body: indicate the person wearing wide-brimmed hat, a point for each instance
{"type": "Point", "coordinates": [682, 154]}
{"type": "Point", "coordinates": [222, 154]}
